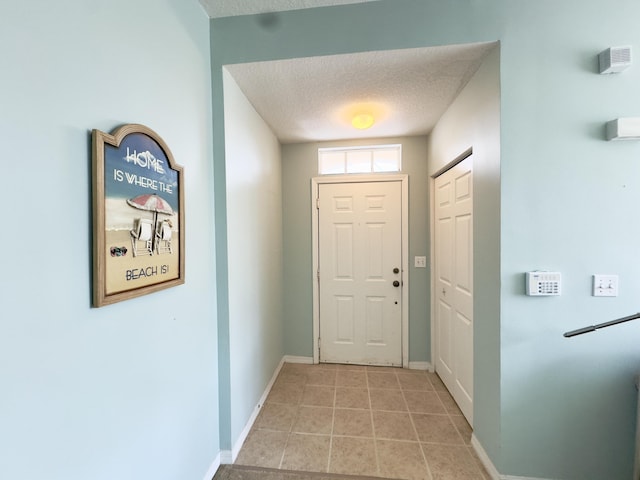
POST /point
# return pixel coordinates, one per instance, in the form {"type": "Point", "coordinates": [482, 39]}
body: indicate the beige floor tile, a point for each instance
{"type": "Point", "coordinates": [463, 427]}
{"type": "Point", "coordinates": [321, 376]}
{"type": "Point", "coordinates": [423, 401]}
{"type": "Point", "coordinates": [354, 423]}
{"type": "Point", "coordinates": [383, 369]}
{"type": "Point", "coordinates": [450, 462]}
{"type": "Point", "coordinates": [347, 366]}
{"type": "Point", "coordinates": [318, 396]}
{"type": "Point", "coordinates": [306, 452]}
{"type": "Point", "coordinates": [295, 367]}
{"type": "Point", "coordinates": [352, 398]}
{"type": "Point", "coordinates": [449, 403]}
{"type": "Point", "coordinates": [263, 448]}
{"type": "Point", "coordinates": [314, 420]}
{"type": "Point", "coordinates": [387, 399]}
{"type": "Point", "coordinates": [276, 416]}
{"type": "Point", "coordinates": [326, 366]}
{"type": "Point", "coordinates": [436, 429]}
{"type": "Point", "coordinates": [393, 426]}
{"type": "Point", "coordinates": [291, 377]}
{"type": "Point", "coordinates": [414, 381]}
{"type": "Point", "coordinates": [401, 460]}
{"type": "Point", "coordinates": [352, 420]}
{"type": "Point", "coordinates": [353, 456]}
{"type": "Point", "coordinates": [436, 382]}
{"type": "Point", "coordinates": [352, 378]}
{"type": "Point", "coordinates": [290, 393]}
{"type": "Point", "coordinates": [413, 371]}
{"type": "Point", "coordinates": [382, 380]}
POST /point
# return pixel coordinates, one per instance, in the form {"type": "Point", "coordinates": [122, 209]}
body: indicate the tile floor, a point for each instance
{"type": "Point", "coordinates": [377, 421]}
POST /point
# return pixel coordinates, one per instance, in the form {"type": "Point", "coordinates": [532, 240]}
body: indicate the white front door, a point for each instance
{"type": "Point", "coordinates": [360, 272]}
{"type": "Point", "coordinates": [454, 283]}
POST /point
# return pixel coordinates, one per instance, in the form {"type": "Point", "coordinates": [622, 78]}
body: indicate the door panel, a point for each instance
{"type": "Point", "coordinates": [359, 245]}
{"type": "Point", "coordinates": [454, 283]}
{"type": "Point", "coordinates": [464, 360]}
{"type": "Point", "coordinates": [343, 247]}
{"type": "Point", "coordinates": [444, 364]}
{"type": "Point", "coordinates": [375, 334]}
{"type": "Point", "coordinates": [344, 319]}
{"type": "Point", "coordinates": [374, 245]}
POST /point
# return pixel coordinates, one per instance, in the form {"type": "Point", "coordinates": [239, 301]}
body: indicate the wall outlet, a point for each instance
{"type": "Point", "coordinates": [420, 262]}
{"type": "Point", "coordinates": [605, 285]}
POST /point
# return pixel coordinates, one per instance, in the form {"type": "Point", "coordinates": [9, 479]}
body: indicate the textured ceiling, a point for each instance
{"type": "Point", "coordinates": [314, 99]}
{"type": "Point", "coordinates": [229, 8]}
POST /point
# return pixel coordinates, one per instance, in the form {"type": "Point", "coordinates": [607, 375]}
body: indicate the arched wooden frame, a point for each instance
{"type": "Point", "coordinates": [122, 178]}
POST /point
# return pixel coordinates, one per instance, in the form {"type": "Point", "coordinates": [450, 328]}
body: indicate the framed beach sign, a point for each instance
{"type": "Point", "coordinates": [138, 215]}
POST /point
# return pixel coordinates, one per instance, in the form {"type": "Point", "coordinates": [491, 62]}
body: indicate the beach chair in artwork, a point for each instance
{"type": "Point", "coordinates": [142, 237]}
{"type": "Point", "coordinates": [163, 237]}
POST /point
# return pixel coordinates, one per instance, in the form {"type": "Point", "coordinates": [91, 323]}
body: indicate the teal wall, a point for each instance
{"type": "Point", "coordinates": [131, 390]}
{"type": "Point", "coordinates": [126, 391]}
{"type": "Point", "coordinates": [568, 405]}
{"type": "Point", "coordinates": [254, 233]}
{"type": "Point", "coordinates": [473, 121]}
{"type": "Point", "coordinates": [299, 166]}
{"type": "Point", "coordinates": [568, 202]}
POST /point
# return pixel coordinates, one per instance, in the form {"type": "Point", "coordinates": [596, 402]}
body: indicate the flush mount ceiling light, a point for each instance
{"type": "Point", "coordinates": [362, 121]}
{"type": "Point", "coordinates": [362, 115]}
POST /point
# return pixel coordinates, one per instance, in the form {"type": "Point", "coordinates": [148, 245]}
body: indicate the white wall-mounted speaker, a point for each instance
{"type": "Point", "coordinates": [615, 59]}
{"type": "Point", "coordinates": [624, 129]}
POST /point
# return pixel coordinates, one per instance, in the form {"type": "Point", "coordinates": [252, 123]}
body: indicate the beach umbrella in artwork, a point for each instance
{"type": "Point", "coordinates": [151, 203]}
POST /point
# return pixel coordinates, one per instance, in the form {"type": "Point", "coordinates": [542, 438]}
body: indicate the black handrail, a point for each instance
{"type": "Point", "coordinates": [593, 328]}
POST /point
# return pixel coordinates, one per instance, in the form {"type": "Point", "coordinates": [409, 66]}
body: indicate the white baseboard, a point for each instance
{"type": "Point", "coordinates": [226, 457]}
{"type": "Point", "coordinates": [484, 458]}
{"type": "Point", "coordinates": [294, 359]}
{"type": "Point", "coordinates": [213, 468]}
{"type": "Point", "coordinates": [490, 467]}
{"type": "Point", "coordinates": [247, 428]}
{"type": "Point", "coordinates": [420, 366]}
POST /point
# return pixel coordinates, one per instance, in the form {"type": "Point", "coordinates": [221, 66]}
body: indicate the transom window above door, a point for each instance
{"type": "Point", "coordinates": [371, 159]}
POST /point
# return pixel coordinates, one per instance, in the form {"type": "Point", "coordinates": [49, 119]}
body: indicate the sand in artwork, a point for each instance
{"type": "Point", "coordinates": [124, 271]}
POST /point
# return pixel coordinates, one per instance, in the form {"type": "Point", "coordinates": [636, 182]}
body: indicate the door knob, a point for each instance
{"type": "Point", "coordinates": [396, 283]}
{"type": "Point", "coordinates": [396, 270]}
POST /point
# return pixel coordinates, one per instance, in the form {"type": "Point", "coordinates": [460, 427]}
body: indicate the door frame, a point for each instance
{"type": "Point", "coordinates": [315, 218]}
{"type": "Point", "coordinates": [432, 239]}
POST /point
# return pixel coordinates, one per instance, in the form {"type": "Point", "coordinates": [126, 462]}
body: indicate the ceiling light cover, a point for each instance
{"type": "Point", "coordinates": [362, 121]}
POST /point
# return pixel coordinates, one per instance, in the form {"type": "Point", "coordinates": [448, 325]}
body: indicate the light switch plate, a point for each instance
{"type": "Point", "coordinates": [605, 285]}
{"type": "Point", "coordinates": [420, 262]}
